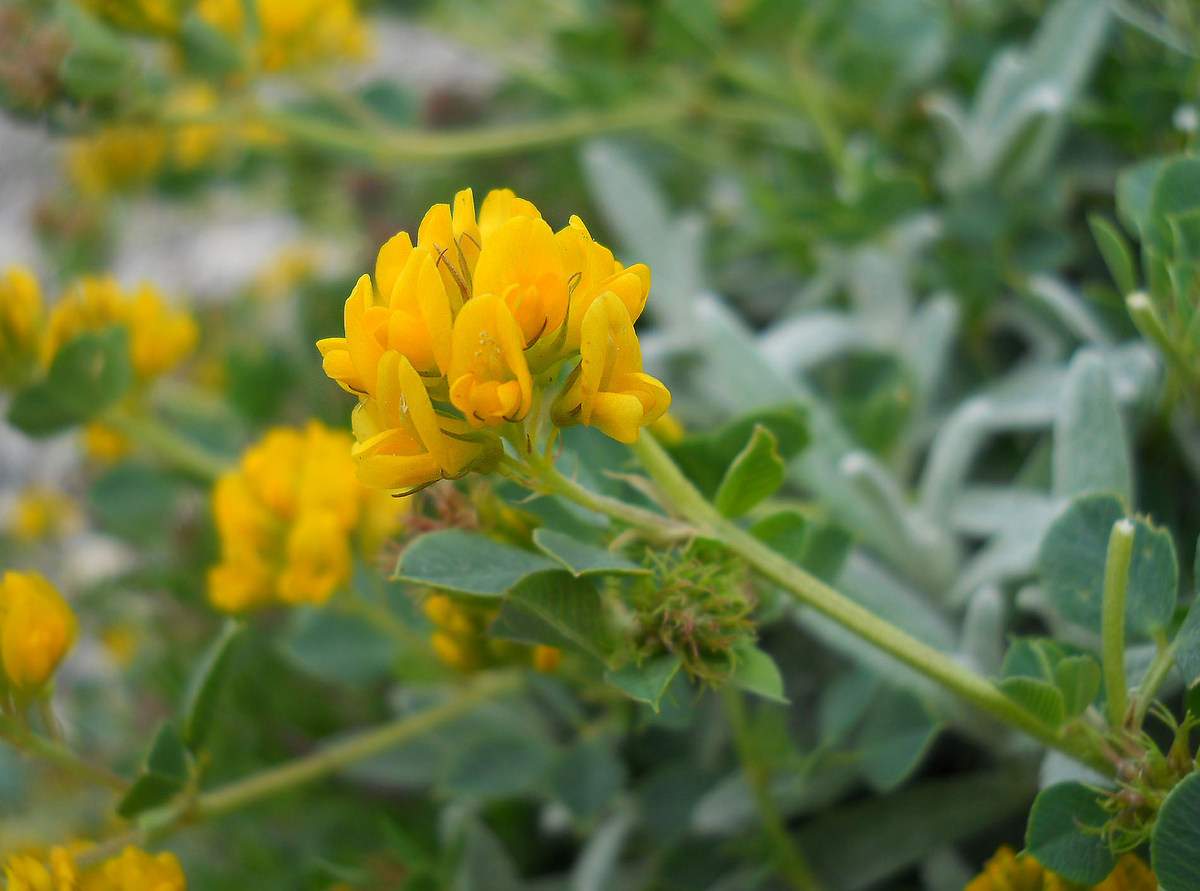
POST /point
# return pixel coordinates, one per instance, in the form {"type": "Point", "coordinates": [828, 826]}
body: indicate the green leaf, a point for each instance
{"type": "Point", "coordinates": [584, 559]}
{"type": "Point", "coordinates": [1090, 451]}
{"type": "Point", "coordinates": [164, 775]}
{"type": "Point", "coordinates": [87, 376]}
{"type": "Point", "coordinates": [1117, 253]}
{"type": "Point", "coordinates": [1192, 700]}
{"type": "Point", "coordinates": [894, 738]}
{"type": "Point", "coordinates": [704, 457]}
{"type": "Point", "coordinates": [648, 681]}
{"type": "Point", "coordinates": [207, 51]}
{"type": "Point", "coordinates": [133, 501]}
{"type": "Point", "coordinates": [1078, 678]}
{"type": "Point", "coordinates": [821, 548]}
{"type": "Point", "coordinates": [1135, 188]}
{"type": "Point", "coordinates": [1042, 698]}
{"type": "Point", "coordinates": [587, 777]}
{"type": "Point", "coordinates": [556, 608]}
{"type": "Point", "coordinates": [756, 672]}
{"type": "Point", "coordinates": [204, 688]}
{"type": "Point", "coordinates": [756, 473]}
{"type": "Point", "coordinates": [338, 647]}
{"type": "Point", "coordinates": [1187, 644]}
{"type": "Point", "coordinates": [484, 864]}
{"type": "Point", "coordinates": [1063, 833]}
{"type": "Point", "coordinates": [468, 563]}
{"type": "Point", "coordinates": [1176, 838]}
{"type": "Point", "coordinates": [497, 767]}
{"type": "Point", "coordinates": [98, 62]}
{"type": "Point", "coordinates": [1072, 557]}
{"type": "Point", "coordinates": [1176, 193]}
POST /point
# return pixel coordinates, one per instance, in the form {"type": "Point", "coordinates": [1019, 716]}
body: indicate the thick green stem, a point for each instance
{"type": "Point", "coordinates": [788, 858]}
{"type": "Point", "coordinates": [173, 449]}
{"type": "Point", "coordinates": [1112, 620]}
{"type": "Point", "coordinates": [816, 594]}
{"type": "Point", "coordinates": [59, 755]}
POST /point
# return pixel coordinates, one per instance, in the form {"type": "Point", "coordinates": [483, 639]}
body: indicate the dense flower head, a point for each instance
{"type": "Point", "coordinates": [291, 33]}
{"type": "Point", "coordinates": [37, 629]}
{"type": "Point", "coordinates": [1007, 871]}
{"type": "Point", "coordinates": [159, 337]}
{"type": "Point", "coordinates": [290, 519]}
{"type": "Point", "coordinates": [463, 330]}
{"type": "Point", "coordinates": [131, 870]}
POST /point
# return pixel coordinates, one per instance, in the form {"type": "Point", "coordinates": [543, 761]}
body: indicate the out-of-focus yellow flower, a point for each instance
{"type": "Point", "coordinates": [460, 334]}
{"type": "Point", "coordinates": [291, 33]}
{"type": "Point", "coordinates": [103, 444]}
{"type": "Point", "coordinates": [131, 870]}
{"type": "Point", "coordinates": [1007, 871]}
{"type": "Point", "coordinates": [21, 311]}
{"type": "Point", "coordinates": [668, 429]}
{"type": "Point", "coordinates": [116, 158]}
{"type": "Point", "coordinates": [460, 641]}
{"type": "Point", "coordinates": [290, 519]}
{"type": "Point", "coordinates": [159, 337]}
{"type": "Point", "coordinates": [609, 390]}
{"type": "Point", "coordinates": [37, 629]}
{"type": "Point", "coordinates": [41, 513]}
{"type": "Point", "coordinates": [147, 16]}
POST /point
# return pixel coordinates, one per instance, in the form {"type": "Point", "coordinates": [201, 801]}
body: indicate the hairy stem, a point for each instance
{"type": "Point", "coordinates": [1112, 620]}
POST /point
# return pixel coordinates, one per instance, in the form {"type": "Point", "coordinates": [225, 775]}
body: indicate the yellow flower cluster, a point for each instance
{"type": "Point", "coordinates": [460, 335]}
{"type": "Point", "coordinates": [159, 337]}
{"type": "Point", "coordinates": [131, 870]}
{"type": "Point", "coordinates": [21, 311]}
{"type": "Point", "coordinates": [289, 519]}
{"type": "Point", "coordinates": [37, 629]}
{"type": "Point", "coordinates": [291, 33]}
{"type": "Point", "coordinates": [1009, 872]}
{"type": "Point", "coordinates": [461, 642]}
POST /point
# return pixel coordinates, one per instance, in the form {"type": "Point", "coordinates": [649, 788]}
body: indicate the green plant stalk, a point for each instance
{"type": "Point", "coordinates": [816, 594]}
{"type": "Point", "coordinates": [789, 860]}
{"type": "Point", "coordinates": [168, 445]}
{"type": "Point", "coordinates": [59, 755]}
{"type": "Point", "coordinates": [1112, 620]}
{"type": "Point", "coordinates": [157, 824]}
{"type": "Point", "coordinates": [1156, 675]}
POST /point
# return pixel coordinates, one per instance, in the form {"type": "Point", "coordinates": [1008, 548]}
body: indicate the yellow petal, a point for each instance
{"type": "Point", "coordinates": [392, 257]}
{"type": "Point", "coordinates": [499, 206]}
{"type": "Point", "coordinates": [466, 229]}
{"type": "Point", "coordinates": [521, 262]}
{"type": "Point", "coordinates": [365, 350]}
{"type": "Point", "coordinates": [618, 415]}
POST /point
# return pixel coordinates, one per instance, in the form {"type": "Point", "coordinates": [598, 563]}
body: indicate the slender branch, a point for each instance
{"type": "Point", "coordinates": [306, 769]}
{"type": "Point", "coordinates": [1112, 620]}
{"type": "Point", "coordinates": [816, 594]}
{"type": "Point", "coordinates": [173, 449]}
{"type": "Point", "coordinates": [59, 755]}
{"type": "Point", "coordinates": [1155, 677]}
{"type": "Point", "coordinates": [789, 860]}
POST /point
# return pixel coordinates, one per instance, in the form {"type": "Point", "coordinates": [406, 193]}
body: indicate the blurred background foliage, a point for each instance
{"type": "Point", "coordinates": [904, 218]}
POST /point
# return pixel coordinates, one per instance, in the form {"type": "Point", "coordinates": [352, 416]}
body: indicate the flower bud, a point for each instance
{"type": "Point", "coordinates": [37, 628]}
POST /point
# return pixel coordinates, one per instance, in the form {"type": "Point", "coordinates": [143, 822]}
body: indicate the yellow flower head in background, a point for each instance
{"type": "Point", "coordinates": [460, 639]}
{"type": "Point", "coordinates": [21, 311]}
{"type": "Point", "coordinates": [1007, 871]}
{"type": "Point", "coordinates": [159, 337]}
{"type": "Point", "coordinates": [460, 334]}
{"type": "Point", "coordinates": [37, 629]}
{"type": "Point", "coordinates": [41, 513]}
{"type": "Point", "coordinates": [131, 870]}
{"type": "Point", "coordinates": [116, 157]}
{"type": "Point", "coordinates": [290, 519]}
{"type": "Point", "coordinates": [291, 33]}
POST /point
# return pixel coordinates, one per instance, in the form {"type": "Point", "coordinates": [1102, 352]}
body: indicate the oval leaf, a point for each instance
{"type": "Point", "coordinates": [468, 563]}
{"type": "Point", "coordinates": [756, 473]}
{"type": "Point", "coordinates": [1176, 838]}
{"type": "Point", "coordinates": [1063, 833]}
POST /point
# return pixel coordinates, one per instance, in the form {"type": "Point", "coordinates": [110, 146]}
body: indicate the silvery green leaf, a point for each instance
{"type": "Point", "coordinates": [1090, 448]}
{"type": "Point", "coordinates": [1070, 307]}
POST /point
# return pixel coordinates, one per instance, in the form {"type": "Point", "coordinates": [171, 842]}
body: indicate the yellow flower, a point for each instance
{"type": "Point", "coordinates": [159, 337]}
{"type": "Point", "coordinates": [460, 640]}
{"type": "Point", "coordinates": [489, 377]}
{"type": "Point", "coordinates": [291, 33]}
{"type": "Point", "coordinates": [150, 16]}
{"type": "Point", "coordinates": [104, 444]}
{"type": "Point", "coordinates": [37, 629]}
{"type": "Point", "coordinates": [521, 264]}
{"type": "Point", "coordinates": [131, 870]}
{"type": "Point", "coordinates": [592, 271]}
{"type": "Point", "coordinates": [402, 442]}
{"type": "Point", "coordinates": [42, 513]}
{"type": "Point", "coordinates": [21, 312]}
{"type": "Point", "coordinates": [290, 519]}
{"type": "Point", "coordinates": [116, 157]}
{"type": "Point", "coordinates": [1007, 871]}
{"type": "Point", "coordinates": [609, 390]}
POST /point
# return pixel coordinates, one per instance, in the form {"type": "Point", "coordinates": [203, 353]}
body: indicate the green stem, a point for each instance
{"type": "Point", "coordinates": [1156, 675]}
{"type": "Point", "coordinates": [273, 781]}
{"type": "Point", "coordinates": [789, 860]}
{"type": "Point", "coordinates": [389, 146]}
{"type": "Point", "coordinates": [816, 594]}
{"type": "Point", "coordinates": [1112, 620]}
{"type": "Point", "coordinates": [59, 755]}
{"type": "Point", "coordinates": [168, 445]}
